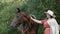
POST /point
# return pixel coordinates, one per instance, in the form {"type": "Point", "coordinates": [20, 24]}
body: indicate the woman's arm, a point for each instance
{"type": "Point", "coordinates": [36, 20]}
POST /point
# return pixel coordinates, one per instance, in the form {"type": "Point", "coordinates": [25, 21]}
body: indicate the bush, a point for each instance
{"type": "Point", "coordinates": [35, 7]}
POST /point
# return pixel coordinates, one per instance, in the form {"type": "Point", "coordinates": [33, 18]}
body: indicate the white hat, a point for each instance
{"type": "Point", "coordinates": [50, 13]}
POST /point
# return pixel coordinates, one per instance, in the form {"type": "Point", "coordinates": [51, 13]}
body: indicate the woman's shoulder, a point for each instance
{"type": "Point", "coordinates": [53, 19]}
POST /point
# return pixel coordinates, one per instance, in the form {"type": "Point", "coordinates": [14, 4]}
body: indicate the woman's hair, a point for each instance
{"type": "Point", "coordinates": [52, 17]}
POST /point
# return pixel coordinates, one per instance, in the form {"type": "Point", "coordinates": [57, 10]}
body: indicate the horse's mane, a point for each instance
{"type": "Point", "coordinates": [25, 17]}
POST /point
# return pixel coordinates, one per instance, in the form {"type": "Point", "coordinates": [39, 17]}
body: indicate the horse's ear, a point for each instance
{"type": "Point", "coordinates": [18, 10]}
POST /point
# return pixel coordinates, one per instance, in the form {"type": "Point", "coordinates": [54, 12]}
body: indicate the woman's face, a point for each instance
{"type": "Point", "coordinates": [48, 16]}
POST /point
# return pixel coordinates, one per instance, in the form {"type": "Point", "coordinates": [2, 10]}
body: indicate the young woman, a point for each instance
{"type": "Point", "coordinates": [51, 26]}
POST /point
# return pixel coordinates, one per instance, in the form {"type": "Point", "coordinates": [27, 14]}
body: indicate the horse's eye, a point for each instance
{"type": "Point", "coordinates": [18, 17]}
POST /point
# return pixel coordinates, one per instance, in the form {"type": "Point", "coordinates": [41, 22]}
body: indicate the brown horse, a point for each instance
{"type": "Point", "coordinates": [24, 23]}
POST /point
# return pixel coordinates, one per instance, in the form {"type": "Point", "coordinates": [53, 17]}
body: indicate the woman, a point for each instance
{"type": "Point", "coordinates": [51, 26]}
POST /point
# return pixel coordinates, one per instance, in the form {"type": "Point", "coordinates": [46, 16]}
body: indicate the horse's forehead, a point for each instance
{"type": "Point", "coordinates": [23, 13]}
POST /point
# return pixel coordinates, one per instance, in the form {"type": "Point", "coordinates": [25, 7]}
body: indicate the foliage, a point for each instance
{"type": "Point", "coordinates": [35, 7]}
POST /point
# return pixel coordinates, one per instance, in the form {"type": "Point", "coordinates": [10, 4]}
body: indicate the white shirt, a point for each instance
{"type": "Point", "coordinates": [54, 27]}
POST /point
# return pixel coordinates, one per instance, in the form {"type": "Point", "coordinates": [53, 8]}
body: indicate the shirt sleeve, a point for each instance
{"type": "Point", "coordinates": [42, 22]}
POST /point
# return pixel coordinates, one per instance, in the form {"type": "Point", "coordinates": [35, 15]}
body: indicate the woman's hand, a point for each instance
{"type": "Point", "coordinates": [32, 18]}
{"type": "Point", "coordinates": [36, 20]}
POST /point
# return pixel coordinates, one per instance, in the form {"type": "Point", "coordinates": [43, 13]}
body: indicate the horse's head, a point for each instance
{"type": "Point", "coordinates": [19, 18]}
{"type": "Point", "coordinates": [16, 19]}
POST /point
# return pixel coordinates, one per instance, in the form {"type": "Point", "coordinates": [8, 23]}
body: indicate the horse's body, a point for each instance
{"type": "Point", "coordinates": [24, 23]}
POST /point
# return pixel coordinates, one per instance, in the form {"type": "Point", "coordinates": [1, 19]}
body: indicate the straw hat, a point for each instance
{"type": "Point", "coordinates": [50, 13]}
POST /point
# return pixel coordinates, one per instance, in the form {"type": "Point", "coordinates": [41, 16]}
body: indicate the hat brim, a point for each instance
{"type": "Point", "coordinates": [49, 14]}
{"type": "Point", "coordinates": [45, 12]}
